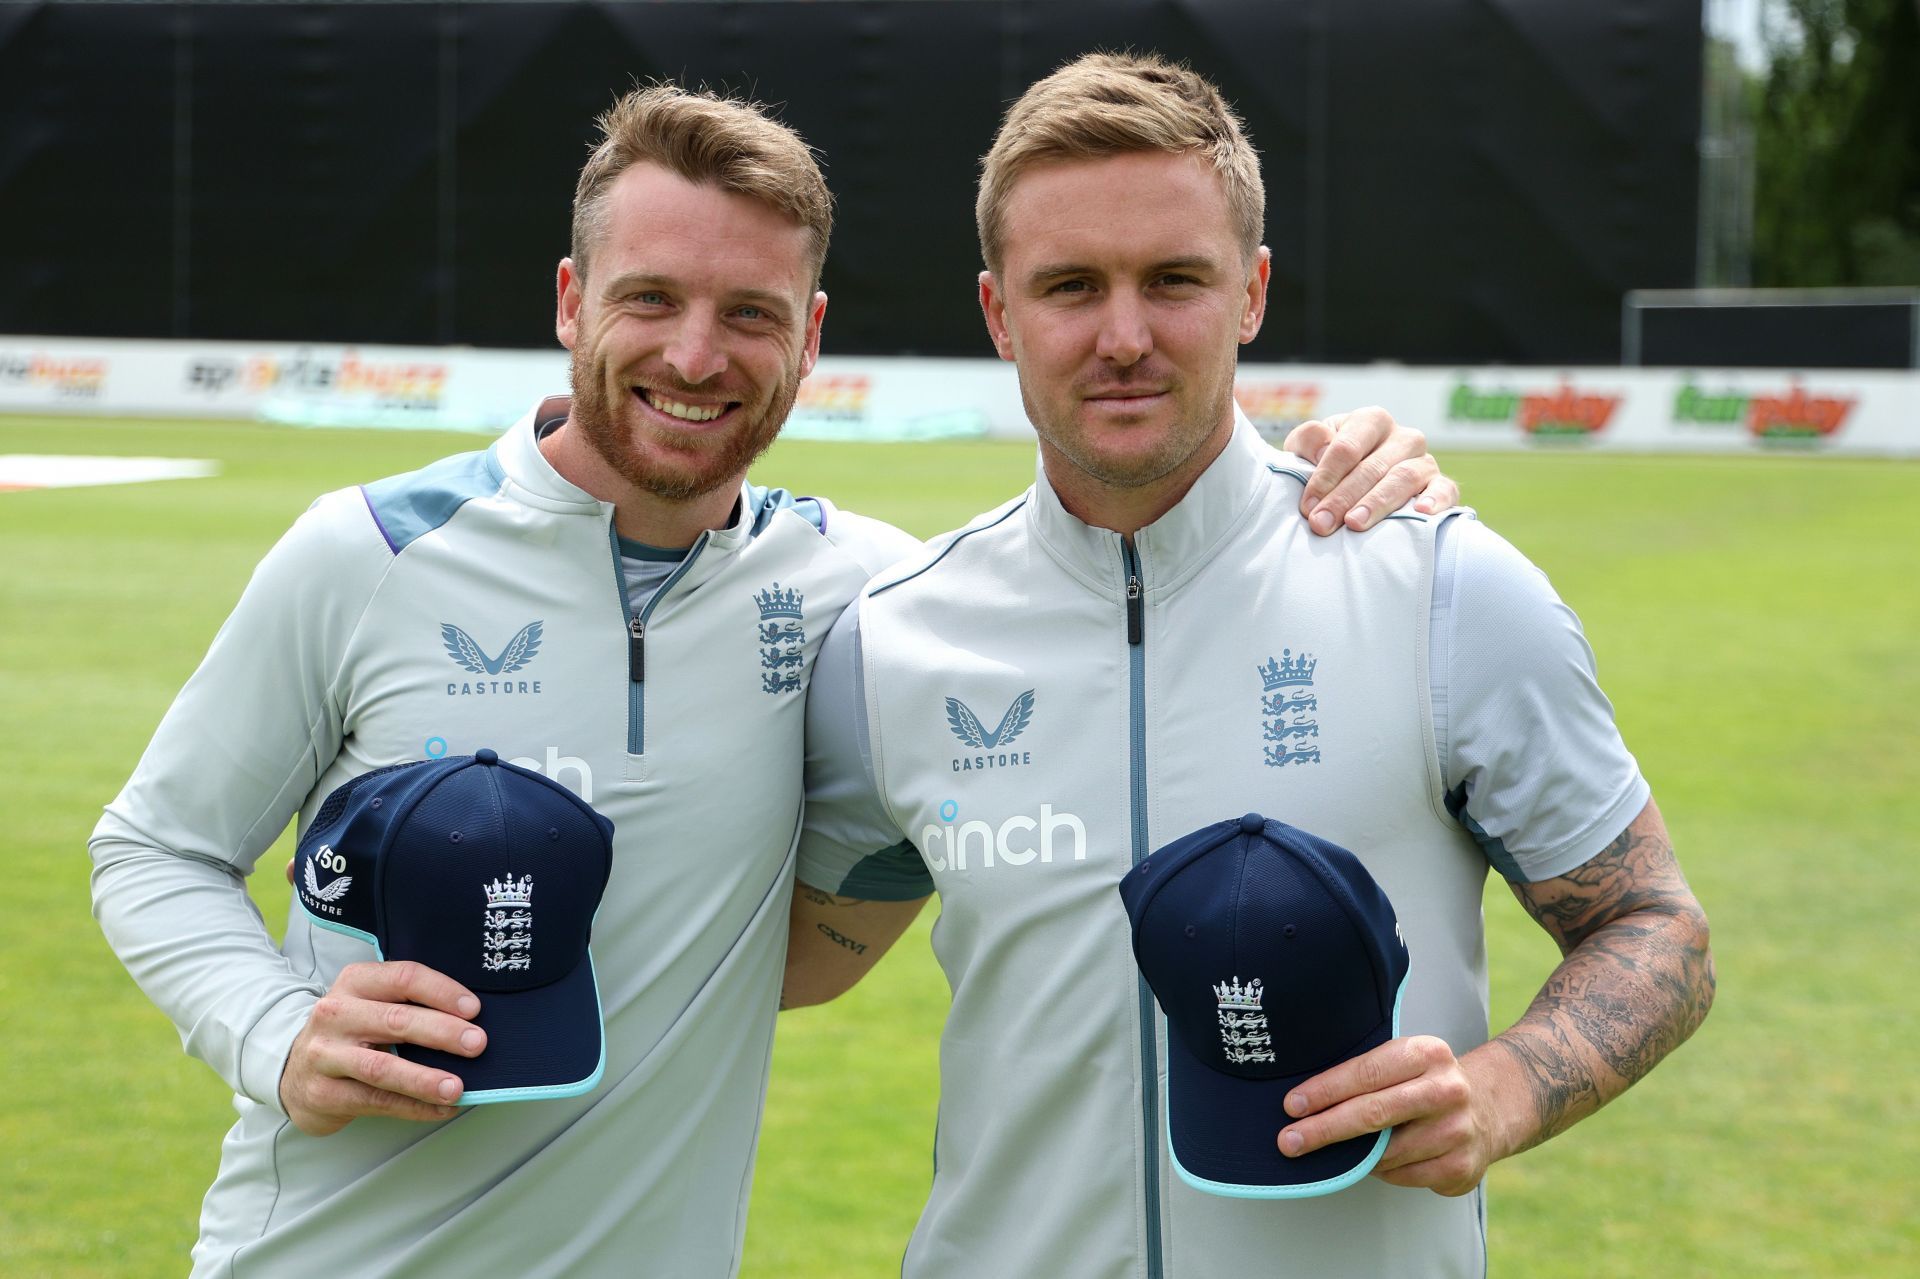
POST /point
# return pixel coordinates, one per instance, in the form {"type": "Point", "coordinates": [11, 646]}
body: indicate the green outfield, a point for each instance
{"type": "Point", "coordinates": [1757, 622]}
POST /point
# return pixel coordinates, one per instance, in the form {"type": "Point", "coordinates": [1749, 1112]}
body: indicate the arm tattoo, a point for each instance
{"type": "Point", "coordinates": [1636, 978]}
{"type": "Point", "coordinates": [819, 898]}
{"type": "Point", "coordinates": [841, 939]}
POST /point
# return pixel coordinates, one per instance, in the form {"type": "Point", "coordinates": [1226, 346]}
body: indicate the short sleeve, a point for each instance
{"type": "Point", "coordinates": [1534, 764]}
{"type": "Point", "coordinates": [849, 845]}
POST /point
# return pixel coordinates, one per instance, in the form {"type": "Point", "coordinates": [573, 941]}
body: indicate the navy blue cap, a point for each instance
{"type": "Point", "coordinates": [491, 874]}
{"type": "Point", "coordinates": [1275, 956]}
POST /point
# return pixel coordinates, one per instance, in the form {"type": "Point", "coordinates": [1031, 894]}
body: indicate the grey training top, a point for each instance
{"type": "Point", "coordinates": [1021, 713]}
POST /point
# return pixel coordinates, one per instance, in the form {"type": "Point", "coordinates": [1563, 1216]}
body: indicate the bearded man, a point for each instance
{"type": "Point", "coordinates": [655, 619]}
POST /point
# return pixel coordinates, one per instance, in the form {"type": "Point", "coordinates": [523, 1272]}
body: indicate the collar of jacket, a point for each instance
{"type": "Point", "coordinates": [532, 480]}
{"type": "Point", "coordinates": [1176, 545]}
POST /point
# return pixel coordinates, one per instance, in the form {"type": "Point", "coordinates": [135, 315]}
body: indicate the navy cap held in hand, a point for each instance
{"type": "Point", "coordinates": [491, 874]}
{"type": "Point", "coordinates": [1275, 956]}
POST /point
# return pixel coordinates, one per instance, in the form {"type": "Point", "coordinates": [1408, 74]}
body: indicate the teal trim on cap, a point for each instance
{"type": "Point", "coordinates": [334, 926]}
{"type": "Point", "coordinates": [406, 507]}
{"type": "Point", "coordinates": [552, 1092]}
{"type": "Point", "coordinates": [1305, 1190]}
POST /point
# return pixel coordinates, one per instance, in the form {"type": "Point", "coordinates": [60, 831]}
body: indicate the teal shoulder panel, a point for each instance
{"type": "Point", "coordinates": [407, 506]}
{"type": "Point", "coordinates": [764, 503]}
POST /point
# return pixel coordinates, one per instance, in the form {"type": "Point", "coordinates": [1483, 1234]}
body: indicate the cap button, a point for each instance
{"type": "Point", "coordinates": [1252, 824]}
{"type": "Point", "coordinates": [486, 756]}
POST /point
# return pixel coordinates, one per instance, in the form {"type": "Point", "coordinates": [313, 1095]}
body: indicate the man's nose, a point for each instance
{"type": "Point", "coordinates": [1126, 337]}
{"type": "Point", "coordinates": [695, 352]}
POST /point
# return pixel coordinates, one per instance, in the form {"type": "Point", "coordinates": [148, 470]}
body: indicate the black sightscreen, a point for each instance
{"type": "Point", "coordinates": [1448, 180]}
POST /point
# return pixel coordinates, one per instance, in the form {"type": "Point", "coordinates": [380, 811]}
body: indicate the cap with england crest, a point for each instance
{"type": "Point", "coordinates": [1275, 956]}
{"type": "Point", "coordinates": [491, 874]}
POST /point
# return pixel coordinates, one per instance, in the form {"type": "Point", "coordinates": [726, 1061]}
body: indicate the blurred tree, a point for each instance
{"type": "Point", "coordinates": [1837, 151]}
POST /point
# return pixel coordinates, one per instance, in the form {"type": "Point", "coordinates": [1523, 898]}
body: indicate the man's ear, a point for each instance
{"type": "Point", "coordinates": [568, 290]}
{"type": "Point", "coordinates": [994, 307]}
{"type": "Point", "coordinates": [1256, 308]}
{"type": "Point", "coordinates": [816, 317]}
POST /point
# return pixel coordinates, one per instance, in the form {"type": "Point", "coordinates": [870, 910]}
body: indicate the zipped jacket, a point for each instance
{"type": "Point", "coordinates": [1038, 704]}
{"type": "Point", "coordinates": [480, 602]}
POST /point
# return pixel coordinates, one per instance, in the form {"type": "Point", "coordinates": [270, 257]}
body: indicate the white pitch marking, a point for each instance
{"type": "Point", "coordinates": [52, 471]}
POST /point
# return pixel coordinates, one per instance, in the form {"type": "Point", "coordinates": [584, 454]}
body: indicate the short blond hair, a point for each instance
{"type": "Point", "coordinates": [710, 138]}
{"type": "Point", "coordinates": [1109, 104]}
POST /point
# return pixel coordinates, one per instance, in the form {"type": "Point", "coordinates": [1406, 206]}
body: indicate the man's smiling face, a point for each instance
{"type": "Point", "coordinates": [691, 329]}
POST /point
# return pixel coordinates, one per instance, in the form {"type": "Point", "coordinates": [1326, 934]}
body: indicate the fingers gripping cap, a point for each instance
{"type": "Point", "coordinates": [491, 874]}
{"type": "Point", "coordinates": [1275, 956]}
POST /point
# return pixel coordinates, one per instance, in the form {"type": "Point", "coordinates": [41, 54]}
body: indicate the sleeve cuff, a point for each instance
{"type": "Point", "coordinates": [264, 1054]}
{"type": "Point", "coordinates": [1581, 849]}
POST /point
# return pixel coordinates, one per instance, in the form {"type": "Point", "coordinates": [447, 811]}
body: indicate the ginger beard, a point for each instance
{"type": "Point", "coordinates": [725, 460]}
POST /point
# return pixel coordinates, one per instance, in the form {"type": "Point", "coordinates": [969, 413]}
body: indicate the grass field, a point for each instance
{"type": "Point", "coordinates": [1756, 622]}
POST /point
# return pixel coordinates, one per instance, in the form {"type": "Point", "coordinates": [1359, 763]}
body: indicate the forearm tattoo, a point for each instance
{"type": "Point", "coordinates": [1636, 978]}
{"type": "Point", "coordinates": [834, 935]}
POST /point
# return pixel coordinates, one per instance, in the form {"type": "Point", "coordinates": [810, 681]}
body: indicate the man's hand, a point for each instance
{"type": "Point", "coordinates": [337, 1069]}
{"type": "Point", "coordinates": [1366, 466]}
{"type": "Point", "coordinates": [1443, 1126]}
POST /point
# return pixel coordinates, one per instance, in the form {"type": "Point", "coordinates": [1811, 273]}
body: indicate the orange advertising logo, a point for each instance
{"type": "Point", "coordinates": [842, 396]}
{"type": "Point", "coordinates": [69, 377]}
{"type": "Point", "coordinates": [385, 383]}
{"type": "Point", "coordinates": [1277, 407]}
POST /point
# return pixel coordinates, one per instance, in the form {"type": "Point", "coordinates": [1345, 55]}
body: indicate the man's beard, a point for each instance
{"type": "Point", "coordinates": [592, 412]}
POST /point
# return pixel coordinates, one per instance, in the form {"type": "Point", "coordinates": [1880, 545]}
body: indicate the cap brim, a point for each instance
{"type": "Point", "coordinates": [541, 1043]}
{"type": "Point", "coordinates": [1223, 1130]}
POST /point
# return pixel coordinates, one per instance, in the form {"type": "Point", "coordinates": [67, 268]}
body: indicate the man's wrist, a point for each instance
{"type": "Point", "coordinates": [263, 1057]}
{"type": "Point", "coordinates": [1500, 1095]}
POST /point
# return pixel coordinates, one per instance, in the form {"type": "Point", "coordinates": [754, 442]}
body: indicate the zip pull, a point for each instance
{"type": "Point", "coordinates": [1136, 619]}
{"type": "Point", "coordinates": [636, 650]}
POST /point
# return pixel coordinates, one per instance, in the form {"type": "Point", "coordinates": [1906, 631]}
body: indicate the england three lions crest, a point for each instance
{"type": "Point", "coordinates": [506, 934]}
{"type": "Point", "coordinates": [783, 639]}
{"type": "Point", "coordinates": [1244, 1036]}
{"type": "Point", "coordinates": [1287, 706]}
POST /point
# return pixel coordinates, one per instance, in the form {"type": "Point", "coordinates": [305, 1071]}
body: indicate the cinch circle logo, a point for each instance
{"type": "Point", "coordinates": [436, 748]}
{"type": "Point", "coordinates": [1017, 841]}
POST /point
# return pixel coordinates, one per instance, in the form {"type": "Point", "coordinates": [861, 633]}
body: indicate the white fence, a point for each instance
{"type": "Point", "coordinates": [1645, 410]}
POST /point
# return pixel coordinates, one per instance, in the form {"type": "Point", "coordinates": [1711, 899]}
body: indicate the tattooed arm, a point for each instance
{"type": "Point", "coordinates": [833, 941]}
{"type": "Point", "coordinates": [1636, 979]}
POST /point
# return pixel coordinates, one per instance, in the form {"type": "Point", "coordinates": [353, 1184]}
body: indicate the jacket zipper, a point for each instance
{"type": "Point", "coordinates": [637, 636]}
{"type": "Point", "coordinates": [1137, 776]}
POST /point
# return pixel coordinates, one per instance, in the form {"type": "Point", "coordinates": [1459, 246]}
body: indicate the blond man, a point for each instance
{"type": "Point", "coordinates": [655, 619]}
{"type": "Point", "coordinates": [1150, 641]}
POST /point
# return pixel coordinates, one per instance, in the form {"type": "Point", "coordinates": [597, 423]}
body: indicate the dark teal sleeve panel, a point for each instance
{"type": "Point", "coordinates": [894, 874]}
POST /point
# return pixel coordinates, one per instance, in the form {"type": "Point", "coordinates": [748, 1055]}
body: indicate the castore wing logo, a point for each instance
{"type": "Point", "coordinates": [335, 889]}
{"type": "Point", "coordinates": [520, 650]}
{"type": "Point", "coordinates": [967, 726]}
